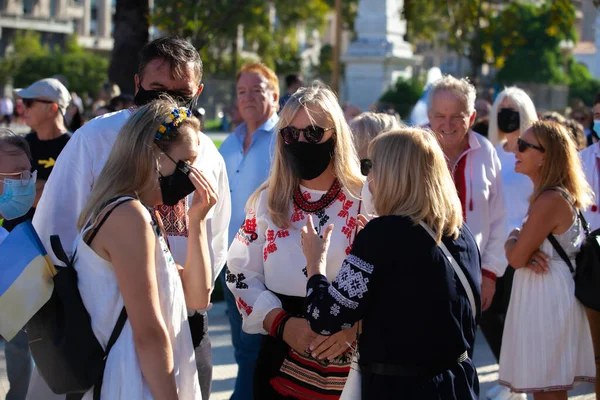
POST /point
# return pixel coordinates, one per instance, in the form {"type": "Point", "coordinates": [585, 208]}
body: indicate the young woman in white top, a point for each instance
{"type": "Point", "coordinates": [512, 113]}
{"type": "Point", "coordinates": [315, 172]}
{"type": "Point", "coordinates": [547, 344]}
{"type": "Point", "coordinates": [128, 263]}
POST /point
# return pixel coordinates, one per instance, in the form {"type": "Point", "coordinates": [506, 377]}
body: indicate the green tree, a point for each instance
{"type": "Point", "coordinates": [403, 95]}
{"type": "Point", "coordinates": [525, 41]}
{"type": "Point", "coordinates": [31, 61]}
{"type": "Point", "coordinates": [457, 24]}
{"type": "Point", "coordinates": [212, 26]}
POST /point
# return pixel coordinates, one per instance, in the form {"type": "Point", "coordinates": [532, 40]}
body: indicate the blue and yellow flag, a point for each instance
{"type": "Point", "coordinates": [26, 274]}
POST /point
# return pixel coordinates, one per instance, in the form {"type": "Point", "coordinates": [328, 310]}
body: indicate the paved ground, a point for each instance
{"type": "Point", "coordinates": [225, 369]}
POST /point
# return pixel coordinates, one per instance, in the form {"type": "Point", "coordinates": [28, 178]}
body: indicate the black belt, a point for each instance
{"type": "Point", "coordinates": [408, 370]}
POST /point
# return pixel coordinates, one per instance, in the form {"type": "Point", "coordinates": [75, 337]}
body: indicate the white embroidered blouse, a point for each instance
{"type": "Point", "coordinates": [264, 259]}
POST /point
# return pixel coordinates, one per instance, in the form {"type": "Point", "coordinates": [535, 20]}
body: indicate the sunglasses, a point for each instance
{"type": "Point", "coordinates": [523, 146]}
{"type": "Point", "coordinates": [365, 166]}
{"type": "Point", "coordinates": [312, 134]}
{"type": "Point", "coordinates": [29, 102]}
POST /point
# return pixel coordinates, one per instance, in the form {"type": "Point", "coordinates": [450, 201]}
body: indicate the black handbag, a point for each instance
{"type": "Point", "coordinates": [63, 345]}
{"type": "Point", "coordinates": [587, 275]}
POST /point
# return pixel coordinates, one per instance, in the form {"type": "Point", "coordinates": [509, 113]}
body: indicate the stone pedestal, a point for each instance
{"type": "Point", "coordinates": [380, 55]}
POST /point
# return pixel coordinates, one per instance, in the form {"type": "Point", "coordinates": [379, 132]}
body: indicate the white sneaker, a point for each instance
{"type": "Point", "coordinates": [493, 392]}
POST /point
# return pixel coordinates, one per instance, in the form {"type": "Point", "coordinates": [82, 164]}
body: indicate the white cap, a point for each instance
{"type": "Point", "coordinates": [49, 89]}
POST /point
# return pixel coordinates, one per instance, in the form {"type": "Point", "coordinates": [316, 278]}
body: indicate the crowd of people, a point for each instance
{"type": "Point", "coordinates": [359, 256]}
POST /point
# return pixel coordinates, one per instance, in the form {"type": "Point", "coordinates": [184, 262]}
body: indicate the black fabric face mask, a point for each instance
{"type": "Point", "coordinates": [177, 185]}
{"type": "Point", "coordinates": [310, 160]}
{"type": "Point", "coordinates": [143, 97]}
{"type": "Point", "coordinates": [508, 120]}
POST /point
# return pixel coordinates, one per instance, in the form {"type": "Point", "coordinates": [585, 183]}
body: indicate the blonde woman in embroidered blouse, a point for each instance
{"type": "Point", "coordinates": [315, 171]}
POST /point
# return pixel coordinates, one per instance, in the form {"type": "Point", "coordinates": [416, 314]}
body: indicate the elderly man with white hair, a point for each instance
{"type": "Point", "coordinates": [475, 167]}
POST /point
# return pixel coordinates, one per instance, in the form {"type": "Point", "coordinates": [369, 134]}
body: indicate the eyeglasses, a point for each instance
{"type": "Point", "coordinates": [312, 134]}
{"type": "Point", "coordinates": [365, 166]}
{"type": "Point", "coordinates": [24, 176]}
{"type": "Point", "coordinates": [522, 146]}
{"type": "Point", "coordinates": [29, 102]}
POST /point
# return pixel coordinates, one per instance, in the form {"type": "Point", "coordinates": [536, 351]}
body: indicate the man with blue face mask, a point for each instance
{"type": "Point", "coordinates": [17, 194]}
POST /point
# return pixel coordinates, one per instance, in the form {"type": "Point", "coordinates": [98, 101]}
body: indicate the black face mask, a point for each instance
{"type": "Point", "coordinates": [508, 120]}
{"type": "Point", "coordinates": [310, 160]}
{"type": "Point", "coordinates": [143, 97]}
{"type": "Point", "coordinates": [177, 185]}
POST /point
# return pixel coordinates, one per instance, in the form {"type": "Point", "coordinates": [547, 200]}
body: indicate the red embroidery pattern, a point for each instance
{"type": "Point", "coordinates": [174, 218]}
{"type": "Point", "coordinates": [298, 214]}
{"type": "Point", "coordinates": [271, 247]}
{"type": "Point", "coordinates": [247, 232]}
{"type": "Point", "coordinates": [348, 229]}
{"type": "Point", "coordinates": [242, 306]}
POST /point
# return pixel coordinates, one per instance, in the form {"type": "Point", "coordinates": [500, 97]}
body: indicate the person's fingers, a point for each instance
{"type": "Point", "coordinates": [316, 342]}
{"type": "Point", "coordinates": [335, 351]}
{"type": "Point", "coordinates": [309, 224]}
{"type": "Point", "coordinates": [324, 346]}
{"type": "Point", "coordinates": [327, 233]}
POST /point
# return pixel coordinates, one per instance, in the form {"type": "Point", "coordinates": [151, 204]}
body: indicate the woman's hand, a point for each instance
{"type": "Point", "coordinates": [361, 220]}
{"type": "Point", "coordinates": [333, 346]}
{"type": "Point", "coordinates": [539, 262]}
{"type": "Point", "coordinates": [298, 335]}
{"type": "Point", "coordinates": [315, 247]}
{"type": "Point", "coordinates": [205, 197]}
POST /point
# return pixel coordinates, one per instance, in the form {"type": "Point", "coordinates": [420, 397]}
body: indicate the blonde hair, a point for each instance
{"type": "Point", "coordinates": [368, 125]}
{"type": "Point", "coordinates": [562, 167]}
{"type": "Point", "coordinates": [132, 167]}
{"type": "Point", "coordinates": [412, 179]}
{"type": "Point", "coordinates": [282, 181]}
{"type": "Point", "coordinates": [524, 104]}
{"type": "Point", "coordinates": [461, 88]}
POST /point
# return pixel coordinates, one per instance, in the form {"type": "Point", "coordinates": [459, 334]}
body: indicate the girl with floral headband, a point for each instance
{"type": "Point", "coordinates": [124, 263]}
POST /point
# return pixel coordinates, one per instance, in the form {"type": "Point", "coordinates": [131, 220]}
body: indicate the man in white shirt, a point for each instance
{"type": "Point", "coordinates": [6, 110]}
{"type": "Point", "coordinates": [475, 167]}
{"type": "Point", "coordinates": [170, 66]}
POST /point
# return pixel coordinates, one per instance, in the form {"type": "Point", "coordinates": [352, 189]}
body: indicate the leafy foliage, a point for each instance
{"type": "Point", "coordinates": [31, 61]}
{"type": "Point", "coordinates": [403, 95]}
{"type": "Point", "coordinates": [212, 26]}
{"type": "Point", "coordinates": [525, 41]}
{"type": "Point", "coordinates": [581, 83]}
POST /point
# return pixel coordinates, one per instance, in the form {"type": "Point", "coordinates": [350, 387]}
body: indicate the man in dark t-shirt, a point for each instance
{"type": "Point", "coordinates": [45, 103]}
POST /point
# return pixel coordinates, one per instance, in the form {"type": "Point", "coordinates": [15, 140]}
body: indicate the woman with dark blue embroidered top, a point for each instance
{"type": "Point", "coordinates": [418, 324]}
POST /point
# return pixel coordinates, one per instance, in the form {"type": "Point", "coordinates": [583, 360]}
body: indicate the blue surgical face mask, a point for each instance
{"type": "Point", "coordinates": [597, 127]}
{"type": "Point", "coordinates": [17, 197]}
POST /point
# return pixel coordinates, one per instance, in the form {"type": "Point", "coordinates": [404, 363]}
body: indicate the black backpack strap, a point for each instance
{"type": "Point", "coordinates": [561, 252]}
{"type": "Point", "coordinates": [59, 251]}
{"type": "Point", "coordinates": [111, 341]}
{"type": "Point", "coordinates": [103, 220]}
{"type": "Point", "coordinates": [586, 226]}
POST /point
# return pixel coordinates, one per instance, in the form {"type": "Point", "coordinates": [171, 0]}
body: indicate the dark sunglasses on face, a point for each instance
{"type": "Point", "coordinates": [312, 134]}
{"type": "Point", "coordinates": [365, 166]}
{"type": "Point", "coordinates": [29, 102]}
{"type": "Point", "coordinates": [522, 146]}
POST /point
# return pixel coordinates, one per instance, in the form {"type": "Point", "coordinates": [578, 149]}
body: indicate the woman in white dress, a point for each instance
{"type": "Point", "coordinates": [512, 113]}
{"type": "Point", "coordinates": [315, 172]}
{"type": "Point", "coordinates": [128, 264]}
{"type": "Point", "coordinates": [547, 345]}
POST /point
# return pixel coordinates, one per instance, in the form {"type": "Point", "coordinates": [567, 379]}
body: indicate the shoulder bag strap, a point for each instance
{"type": "Point", "coordinates": [459, 272]}
{"type": "Point", "coordinates": [561, 252]}
{"type": "Point", "coordinates": [586, 226]}
{"type": "Point", "coordinates": [123, 316]}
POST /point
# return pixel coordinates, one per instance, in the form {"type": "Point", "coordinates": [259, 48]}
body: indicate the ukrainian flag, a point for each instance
{"type": "Point", "coordinates": [26, 273]}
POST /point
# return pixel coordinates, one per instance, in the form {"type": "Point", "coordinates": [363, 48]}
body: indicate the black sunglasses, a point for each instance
{"type": "Point", "coordinates": [312, 134]}
{"type": "Point", "coordinates": [522, 146]}
{"type": "Point", "coordinates": [29, 102]}
{"type": "Point", "coordinates": [365, 166]}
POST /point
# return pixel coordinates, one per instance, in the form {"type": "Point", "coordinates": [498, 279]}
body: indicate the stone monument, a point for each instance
{"type": "Point", "coordinates": [380, 55]}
